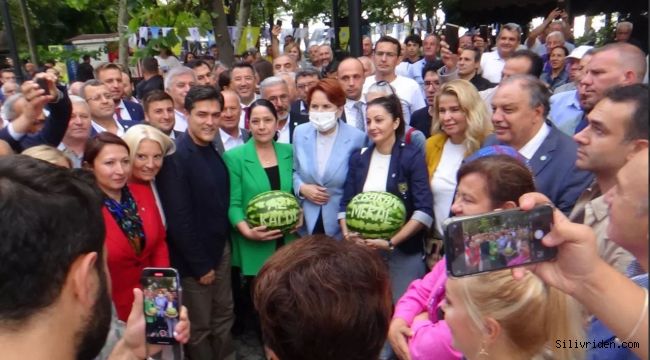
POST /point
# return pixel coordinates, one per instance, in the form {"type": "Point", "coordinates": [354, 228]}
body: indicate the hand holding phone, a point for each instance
{"type": "Point", "coordinates": [162, 304]}
{"type": "Point", "coordinates": [451, 37]}
{"type": "Point", "coordinates": [497, 240]}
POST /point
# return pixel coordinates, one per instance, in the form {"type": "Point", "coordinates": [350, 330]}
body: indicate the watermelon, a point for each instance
{"type": "Point", "coordinates": [375, 214]}
{"type": "Point", "coordinates": [277, 210]}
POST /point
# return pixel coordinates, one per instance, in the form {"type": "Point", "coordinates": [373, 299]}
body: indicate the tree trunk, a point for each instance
{"type": "Point", "coordinates": [122, 20]}
{"type": "Point", "coordinates": [33, 57]}
{"type": "Point", "coordinates": [410, 9]}
{"type": "Point", "coordinates": [242, 19]}
{"type": "Point", "coordinates": [220, 28]}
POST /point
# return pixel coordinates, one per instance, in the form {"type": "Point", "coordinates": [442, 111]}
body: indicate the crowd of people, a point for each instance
{"type": "Point", "coordinates": [104, 176]}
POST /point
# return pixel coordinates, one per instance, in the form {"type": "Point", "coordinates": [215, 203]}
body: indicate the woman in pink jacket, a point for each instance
{"type": "Point", "coordinates": [489, 180]}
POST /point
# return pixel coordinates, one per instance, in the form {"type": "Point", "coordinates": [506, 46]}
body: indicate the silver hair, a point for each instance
{"type": "Point", "coordinates": [175, 72]}
{"type": "Point", "coordinates": [78, 100]}
{"type": "Point", "coordinates": [382, 87]}
{"type": "Point", "coordinates": [8, 108]}
{"type": "Point", "coordinates": [537, 90]}
{"type": "Point", "coordinates": [271, 81]}
{"type": "Point", "coordinates": [555, 34]}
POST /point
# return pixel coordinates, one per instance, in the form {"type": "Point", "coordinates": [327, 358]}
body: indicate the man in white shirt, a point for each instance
{"type": "Point", "coordinates": [124, 110]}
{"type": "Point", "coordinates": [243, 82]}
{"type": "Point", "coordinates": [507, 42]}
{"type": "Point", "coordinates": [102, 108]}
{"type": "Point", "coordinates": [385, 58]}
{"type": "Point", "coordinates": [350, 76]}
{"type": "Point", "coordinates": [276, 90]}
{"type": "Point", "coordinates": [520, 107]}
{"type": "Point", "coordinates": [230, 134]}
{"type": "Point", "coordinates": [178, 82]}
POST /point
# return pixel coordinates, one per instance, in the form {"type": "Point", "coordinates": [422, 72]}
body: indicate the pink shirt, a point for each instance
{"type": "Point", "coordinates": [431, 338]}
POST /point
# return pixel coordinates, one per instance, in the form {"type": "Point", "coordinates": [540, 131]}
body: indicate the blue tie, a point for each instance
{"type": "Point", "coordinates": [582, 124]}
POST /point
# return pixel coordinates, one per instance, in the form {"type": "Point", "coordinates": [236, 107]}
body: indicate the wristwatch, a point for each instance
{"type": "Point", "coordinates": [391, 247]}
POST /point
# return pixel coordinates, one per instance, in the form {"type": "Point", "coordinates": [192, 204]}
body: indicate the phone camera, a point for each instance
{"type": "Point", "coordinates": [538, 234]}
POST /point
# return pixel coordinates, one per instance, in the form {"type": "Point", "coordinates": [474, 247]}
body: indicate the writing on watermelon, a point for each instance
{"type": "Point", "coordinates": [276, 213]}
{"type": "Point", "coordinates": [375, 214]}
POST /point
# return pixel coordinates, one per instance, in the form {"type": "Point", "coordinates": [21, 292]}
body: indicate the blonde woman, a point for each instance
{"type": "Point", "coordinates": [460, 125]}
{"type": "Point", "coordinates": [147, 148]}
{"type": "Point", "coordinates": [495, 316]}
{"type": "Point", "coordinates": [49, 154]}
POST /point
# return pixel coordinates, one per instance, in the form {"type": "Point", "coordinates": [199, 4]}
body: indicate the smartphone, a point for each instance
{"type": "Point", "coordinates": [451, 37]}
{"type": "Point", "coordinates": [43, 84]}
{"type": "Point", "coordinates": [162, 304]}
{"type": "Point", "coordinates": [497, 240]}
{"type": "Point", "coordinates": [278, 23]}
{"type": "Point", "coordinates": [483, 31]}
{"type": "Point", "coordinates": [561, 4]}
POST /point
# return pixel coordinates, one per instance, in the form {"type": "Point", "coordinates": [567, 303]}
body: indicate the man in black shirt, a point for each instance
{"type": "Point", "coordinates": [152, 78]}
{"type": "Point", "coordinates": [469, 62]}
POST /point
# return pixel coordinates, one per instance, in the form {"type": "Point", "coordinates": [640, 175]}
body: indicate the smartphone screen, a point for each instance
{"type": "Point", "coordinates": [451, 37]}
{"type": "Point", "coordinates": [278, 23]}
{"type": "Point", "coordinates": [497, 240]}
{"type": "Point", "coordinates": [162, 304]}
{"type": "Point", "coordinates": [43, 84]}
{"type": "Point", "coordinates": [484, 32]}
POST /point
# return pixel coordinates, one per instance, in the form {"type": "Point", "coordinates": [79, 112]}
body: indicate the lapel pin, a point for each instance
{"type": "Point", "coordinates": [543, 157]}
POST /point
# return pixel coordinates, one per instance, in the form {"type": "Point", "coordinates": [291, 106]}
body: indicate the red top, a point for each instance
{"type": "Point", "coordinates": [123, 264]}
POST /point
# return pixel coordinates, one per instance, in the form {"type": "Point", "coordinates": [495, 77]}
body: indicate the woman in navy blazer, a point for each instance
{"type": "Point", "coordinates": [393, 166]}
{"type": "Point", "coordinates": [319, 146]}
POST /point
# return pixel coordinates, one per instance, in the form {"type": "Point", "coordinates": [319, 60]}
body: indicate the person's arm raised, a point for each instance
{"type": "Point", "coordinates": [578, 271]}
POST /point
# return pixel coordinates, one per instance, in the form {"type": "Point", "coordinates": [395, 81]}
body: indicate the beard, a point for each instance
{"type": "Point", "coordinates": [93, 335]}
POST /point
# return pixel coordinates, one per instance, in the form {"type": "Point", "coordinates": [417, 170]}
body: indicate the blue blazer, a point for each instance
{"type": "Point", "coordinates": [53, 131]}
{"type": "Point", "coordinates": [408, 179]}
{"type": "Point", "coordinates": [135, 110]}
{"type": "Point", "coordinates": [194, 188]}
{"type": "Point", "coordinates": [554, 169]}
{"type": "Point", "coordinates": [305, 171]}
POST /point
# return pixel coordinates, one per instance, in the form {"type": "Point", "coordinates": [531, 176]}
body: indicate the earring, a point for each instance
{"type": "Point", "coordinates": [483, 354]}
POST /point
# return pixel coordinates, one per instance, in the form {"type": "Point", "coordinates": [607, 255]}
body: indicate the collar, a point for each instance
{"type": "Point", "coordinates": [225, 136]}
{"type": "Point", "coordinates": [121, 105]}
{"type": "Point", "coordinates": [349, 103]}
{"type": "Point", "coordinates": [180, 114]}
{"type": "Point", "coordinates": [529, 150]}
{"type": "Point", "coordinates": [99, 129]}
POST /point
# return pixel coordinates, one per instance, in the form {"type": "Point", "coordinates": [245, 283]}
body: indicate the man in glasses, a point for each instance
{"type": "Point", "coordinates": [386, 57]}
{"type": "Point", "coordinates": [492, 63]}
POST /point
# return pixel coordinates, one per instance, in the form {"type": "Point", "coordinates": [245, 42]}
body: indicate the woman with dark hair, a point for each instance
{"type": "Point", "coordinates": [135, 235]}
{"type": "Point", "coordinates": [259, 165]}
{"type": "Point", "coordinates": [493, 179]}
{"type": "Point", "coordinates": [319, 146]}
{"type": "Point", "coordinates": [557, 75]}
{"type": "Point", "coordinates": [188, 58]}
{"type": "Point", "coordinates": [399, 168]}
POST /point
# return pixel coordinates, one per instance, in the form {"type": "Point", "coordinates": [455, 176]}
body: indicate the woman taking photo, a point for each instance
{"type": "Point", "coordinates": [255, 167]}
{"type": "Point", "coordinates": [147, 146]}
{"type": "Point", "coordinates": [419, 330]}
{"type": "Point", "coordinates": [319, 146]}
{"type": "Point", "coordinates": [460, 125]}
{"type": "Point", "coordinates": [393, 166]}
{"type": "Point", "coordinates": [135, 235]}
{"type": "Point", "coordinates": [557, 75]}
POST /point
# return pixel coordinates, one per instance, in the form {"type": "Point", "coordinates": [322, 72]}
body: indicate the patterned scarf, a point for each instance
{"type": "Point", "coordinates": [126, 215]}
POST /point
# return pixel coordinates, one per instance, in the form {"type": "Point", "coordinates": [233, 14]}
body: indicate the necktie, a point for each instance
{"type": "Point", "coordinates": [246, 117]}
{"type": "Point", "coordinates": [118, 115]}
{"type": "Point", "coordinates": [582, 124]}
{"type": "Point", "coordinates": [360, 121]}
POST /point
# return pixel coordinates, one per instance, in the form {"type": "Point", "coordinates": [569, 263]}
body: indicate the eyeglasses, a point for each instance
{"type": "Point", "coordinates": [305, 86]}
{"type": "Point", "coordinates": [99, 97]}
{"type": "Point", "coordinates": [382, 86]}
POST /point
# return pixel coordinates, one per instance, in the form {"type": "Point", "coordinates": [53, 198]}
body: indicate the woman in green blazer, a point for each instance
{"type": "Point", "coordinates": [258, 166]}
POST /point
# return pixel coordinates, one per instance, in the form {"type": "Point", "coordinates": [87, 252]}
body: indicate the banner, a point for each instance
{"type": "Point", "coordinates": [249, 37]}
{"type": "Point", "coordinates": [344, 36]}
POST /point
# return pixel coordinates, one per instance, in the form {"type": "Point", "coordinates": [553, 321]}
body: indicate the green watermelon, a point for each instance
{"type": "Point", "coordinates": [375, 214]}
{"type": "Point", "coordinates": [277, 210]}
